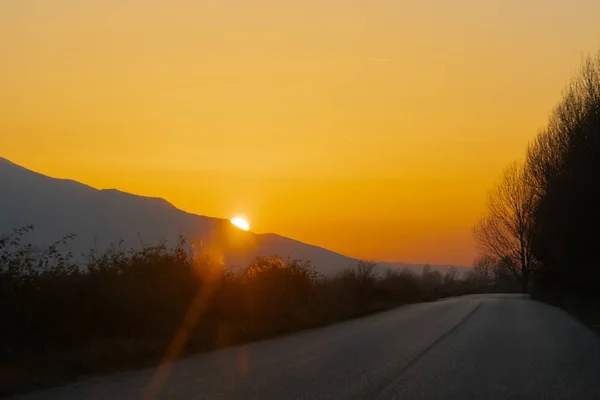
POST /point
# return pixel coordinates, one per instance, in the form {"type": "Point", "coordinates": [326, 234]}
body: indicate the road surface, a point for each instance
{"type": "Point", "coordinates": [472, 347]}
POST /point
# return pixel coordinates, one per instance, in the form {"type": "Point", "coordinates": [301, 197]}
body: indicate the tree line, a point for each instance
{"type": "Point", "coordinates": [543, 215]}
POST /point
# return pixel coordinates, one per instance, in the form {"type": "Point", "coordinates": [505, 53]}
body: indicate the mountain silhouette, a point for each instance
{"type": "Point", "coordinates": [103, 218]}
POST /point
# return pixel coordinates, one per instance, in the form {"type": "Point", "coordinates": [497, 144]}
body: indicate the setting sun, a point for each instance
{"type": "Point", "coordinates": [241, 223]}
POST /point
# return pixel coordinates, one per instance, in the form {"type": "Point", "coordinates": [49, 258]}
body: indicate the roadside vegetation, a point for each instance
{"type": "Point", "coordinates": [543, 215]}
{"type": "Point", "coordinates": [129, 308]}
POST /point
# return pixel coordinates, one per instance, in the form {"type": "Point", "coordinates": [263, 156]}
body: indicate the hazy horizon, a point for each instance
{"type": "Point", "coordinates": [49, 233]}
{"type": "Point", "coordinates": [373, 129]}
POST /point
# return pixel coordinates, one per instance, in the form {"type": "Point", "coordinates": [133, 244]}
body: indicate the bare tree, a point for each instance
{"type": "Point", "coordinates": [506, 231]}
{"type": "Point", "coordinates": [365, 271]}
{"type": "Point", "coordinates": [451, 276]}
{"type": "Point", "coordinates": [483, 270]}
{"type": "Point", "coordinates": [425, 271]}
{"type": "Point", "coordinates": [431, 278]}
{"type": "Point", "coordinates": [564, 161]}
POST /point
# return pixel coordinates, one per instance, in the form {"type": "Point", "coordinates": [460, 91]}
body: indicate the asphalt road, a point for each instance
{"type": "Point", "coordinates": [472, 347]}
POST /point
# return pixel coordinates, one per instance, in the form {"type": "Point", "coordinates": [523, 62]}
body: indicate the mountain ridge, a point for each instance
{"type": "Point", "coordinates": [102, 217]}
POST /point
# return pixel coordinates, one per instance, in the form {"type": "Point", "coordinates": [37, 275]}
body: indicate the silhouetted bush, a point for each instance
{"type": "Point", "coordinates": [123, 307]}
{"type": "Point", "coordinates": [402, 286]}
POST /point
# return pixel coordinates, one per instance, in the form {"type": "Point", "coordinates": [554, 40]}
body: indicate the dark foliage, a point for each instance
{"type": "Point", "coordinates": [546, 226]}
{"type": "Point", "coordinates": [124, 307]}
{"type": "Point", "coordinates": [565, 165]}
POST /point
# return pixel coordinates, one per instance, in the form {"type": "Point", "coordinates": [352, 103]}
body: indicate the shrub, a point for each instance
{"type": "Point", "coordinates": [59, 319]}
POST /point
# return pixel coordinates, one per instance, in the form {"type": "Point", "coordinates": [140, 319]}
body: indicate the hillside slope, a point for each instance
{"type": "Point", "coordinates": [101, 218]}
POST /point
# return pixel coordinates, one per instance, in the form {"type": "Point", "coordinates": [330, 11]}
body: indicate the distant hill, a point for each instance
{"type": "Point", "coordinates": [99, 218]}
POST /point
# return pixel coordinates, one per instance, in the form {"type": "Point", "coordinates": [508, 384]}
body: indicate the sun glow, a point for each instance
{"type": "Point", "coordinates": [240, 223]}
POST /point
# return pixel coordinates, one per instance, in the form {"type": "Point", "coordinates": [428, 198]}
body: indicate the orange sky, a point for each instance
{"type": "Point", "coordinates": [372, 128]}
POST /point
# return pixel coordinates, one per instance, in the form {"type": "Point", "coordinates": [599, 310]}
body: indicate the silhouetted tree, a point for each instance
{"type": "Point", "coordinates": [483, 270]}
{"type": "Point", "coordinates": [451, 276]}
{"type": "Point", "coordinates": [565, 169]}
{"type": "Point", "coordinates": [365, 271]}
{"type": "Point", "coordinates": [431, 281]}
{"type": "Point", "coordinates": [425, 271]}
{"type": "Point", "coordinates": [505, 232]}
